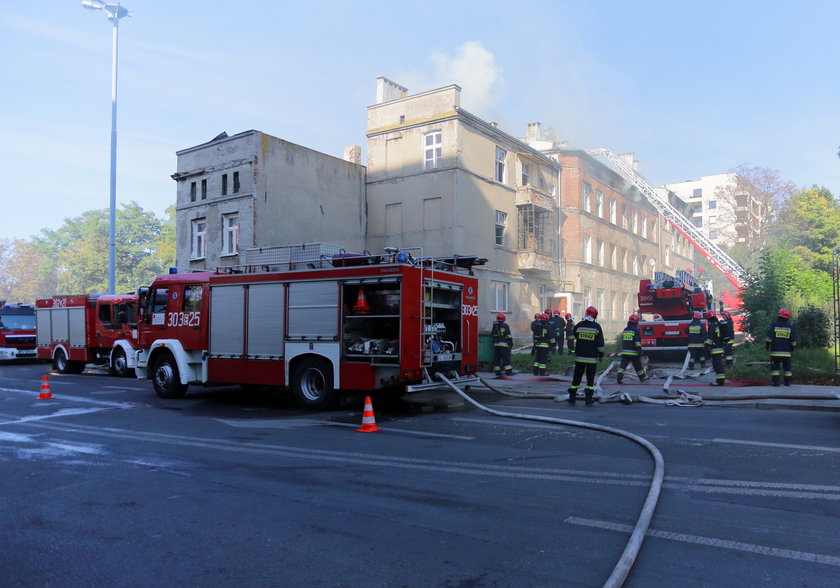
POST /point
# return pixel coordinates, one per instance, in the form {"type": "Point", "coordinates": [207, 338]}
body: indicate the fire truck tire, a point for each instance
{"type": "Point", "coordinates": [312, 385]}
{"type": "Point", "coordinates": [64, 366]}
{"type": "Point", "coordinates": [166, 378]}
{"type": "Point", "coordinates": [119, 365]}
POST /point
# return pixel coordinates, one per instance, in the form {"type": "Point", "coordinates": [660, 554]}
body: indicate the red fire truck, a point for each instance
{"type": "Point", "coordinates": [314, 323]}
{"type": "Point", "coordinates": [17, 331]}
{"type": "Point", "coordinates": [91, 328]}
{"type": "Point", "coordinates": [671, 303]}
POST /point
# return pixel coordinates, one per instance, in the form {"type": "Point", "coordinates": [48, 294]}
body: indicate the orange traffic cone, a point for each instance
{"type": "Point", "coordinates": [361, 303]}
{"type": "Point", "coordinates": [368, 422]}
{"type": "Point", "coordinates": [45, 389]}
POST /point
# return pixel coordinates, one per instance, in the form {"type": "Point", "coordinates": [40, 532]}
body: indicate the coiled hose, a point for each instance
{"type": "Point", "coordinates": [634, 544]}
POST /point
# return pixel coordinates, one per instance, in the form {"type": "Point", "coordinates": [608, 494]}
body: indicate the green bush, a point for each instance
{"type": "Point", "coordinates": [812, 328]}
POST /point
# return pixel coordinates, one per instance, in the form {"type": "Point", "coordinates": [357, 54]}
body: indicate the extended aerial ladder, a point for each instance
{"type": "Point", "coordinates": [716, 256]}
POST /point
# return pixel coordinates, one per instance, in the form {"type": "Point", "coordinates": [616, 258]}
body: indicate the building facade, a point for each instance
{"type": "Point", "coordinates": [447, 182]}
{"type": "Point", "coordinates": [254, 190]}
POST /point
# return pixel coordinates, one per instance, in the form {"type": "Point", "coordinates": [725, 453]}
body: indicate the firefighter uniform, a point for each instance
{"type": "Point", "coordinates": [502, 342]}
{"type": "Point", "coordinates": [696, 332]}
{"type": "Point", "coordinates": [570, 334]}
{"type": "Point", "coordinates": [589, 349]}
{"type": "Point", "coordinates": [535, 327]}
{"type": "Point", "coordinates": [781, 342]}
{"type": "Point", "coordinates": [542, 341]}
{"type": "Point", "coordinates": [559, 332]}
{"type": "Point", "coordinates": [631, 350]}
{"type": "Point", "coordinates": [727, 330]}
{"type": "Point", "coordinates": [714, 344]}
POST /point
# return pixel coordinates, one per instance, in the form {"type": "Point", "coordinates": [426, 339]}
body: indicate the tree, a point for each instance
{"type": "Point", "coordinates": [748, 206]}
{"type": "Point", "coordinates": [810, 224]}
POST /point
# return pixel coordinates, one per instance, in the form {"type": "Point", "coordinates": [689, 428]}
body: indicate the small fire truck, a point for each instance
{"type": "Point", "coordinates": [313, 319]}
{"type": "Point", "coordinates": [17, 331]}
{"type": "Point", "coordinates": [672, 302]}
{"type": "Point", "coordinates": [74, 331]}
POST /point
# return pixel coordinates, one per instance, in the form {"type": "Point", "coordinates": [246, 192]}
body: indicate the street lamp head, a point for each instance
{"type": "Point", "coordinates": [93, 4]}
{"type": "Point", "coordinates": [114, 11]}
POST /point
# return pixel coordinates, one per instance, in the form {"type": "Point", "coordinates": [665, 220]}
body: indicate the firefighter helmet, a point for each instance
{"type": "Point", "coordinates": [547, 311]}
{"type": "Point", "coordinates": [544, 316]}
{"type": "Point", "coordinates": [500, 317]}
{"type": "Point", "coordinates": [634, 318]}
{"type": "Point", "coordinates": [537, 317]}
{"type": "Point", "coordinates": [556, 313]}
{"type": "Point", "coordinates": [710, 314]}
{"type": "Point", "coordinates": [697, 315]}
{"type": "Point", "coordinates": [568, 317]}
{"type": "Point", "coordinates": [726, 314]}
{"type": "Point", "coordinates": [592, 311]}
{"type": "Point", "coordinates": [784, 313]}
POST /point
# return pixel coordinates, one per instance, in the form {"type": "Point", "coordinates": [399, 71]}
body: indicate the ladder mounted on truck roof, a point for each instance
{"type": "Point", "coordinates": [730, 268]}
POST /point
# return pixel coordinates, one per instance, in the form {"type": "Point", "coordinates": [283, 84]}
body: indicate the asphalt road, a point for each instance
{"type": "Point", "coordinates": [105, 484]}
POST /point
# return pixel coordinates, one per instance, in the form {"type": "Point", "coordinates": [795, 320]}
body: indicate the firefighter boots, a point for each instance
{"type": "Point", "coordinates": [572, 394]}
{"type": "Point", "coordinates": [589, 392]}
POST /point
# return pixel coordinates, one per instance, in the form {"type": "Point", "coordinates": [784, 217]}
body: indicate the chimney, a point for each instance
{"type": "Point", "coordinates": [533, 132]}
{"type": "Point", "coordinates": [629, 159]}
{"type": "Point", "coordinates": [353, 154]}
{"type": "Point", "coordinates": [386, 90]}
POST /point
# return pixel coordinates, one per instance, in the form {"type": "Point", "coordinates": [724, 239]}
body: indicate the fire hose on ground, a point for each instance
{"type": "Point", "coordinates": [634, 544]}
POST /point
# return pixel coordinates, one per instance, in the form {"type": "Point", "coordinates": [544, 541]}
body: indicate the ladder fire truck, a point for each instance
{"type": "Point", "coordinates": [74, 331]}
{"type": "Point", "coordinates": [17, 331]}
{"type": "Point", "coordinates": [674, 300]}
{"type": "Point", "coordinates": [315, 320]}
{"type": "Point", "coordinates": [731, 269]}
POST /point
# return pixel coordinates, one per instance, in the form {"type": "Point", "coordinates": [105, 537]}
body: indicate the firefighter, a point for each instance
{"type": "Point", "coordinates": [552, 330]}
{"type": "Point", "coordinates": [714, 347]}
{"type": "Point", "coordinates": [589, 349]}
{"type": "Point", "coordinates": [727, 329]}
{"type": "Point", "coordinates": [502, 342]}
{"type": "Point", "coordinates": [631, 350]}
{"type": "Point", "coordinates": [559, 331]}
{"type": "Point", "coordinates": [542, 338]}
{"type": "Point", "coordinates": [781, 342]}
{"type": "Point", "coordinates": [570, 333]}
{"type": "Point", "coordinates": [535, 327]}
{"type": "Point", "coordinates": [696, 332]}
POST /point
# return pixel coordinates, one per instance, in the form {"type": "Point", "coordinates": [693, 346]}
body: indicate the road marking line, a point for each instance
{"type": "Point", "coordinates": [72, 398]}
{"type": "Point", "coordinates": [713, 542]}
{"type": "Point", "coordinates": [781, 445]}
{"type": "Point", "coordinates": [60, 413]}
{"type": "Point", "coordinates": [298, 423]}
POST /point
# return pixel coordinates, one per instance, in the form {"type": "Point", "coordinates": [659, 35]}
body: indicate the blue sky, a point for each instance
{"type": "Point", "coordinates": [692, 88]}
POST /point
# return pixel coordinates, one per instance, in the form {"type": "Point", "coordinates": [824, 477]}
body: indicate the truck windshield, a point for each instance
{"type": "Point", "coordinates": [10, 322]}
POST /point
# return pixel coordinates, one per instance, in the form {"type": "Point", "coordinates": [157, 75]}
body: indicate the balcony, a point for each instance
{"type": "Point", "coordinates": [531, 195]}
{"type": "Point", "coordinates": [531, 261]}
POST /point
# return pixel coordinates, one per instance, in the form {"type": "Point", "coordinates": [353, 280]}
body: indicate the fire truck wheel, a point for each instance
{"type": "Point", "coordinates": [64, 366]}
{"type": "Point", "coordinates": [119, 365]}
{"type": "Point", "coordinates": [312, 384]}
{"type": "Point", "coordinates": [166, 379]}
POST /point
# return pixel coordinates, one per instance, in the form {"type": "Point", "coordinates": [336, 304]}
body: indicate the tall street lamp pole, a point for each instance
{"type": "Point", "coordinates": [114, 12]}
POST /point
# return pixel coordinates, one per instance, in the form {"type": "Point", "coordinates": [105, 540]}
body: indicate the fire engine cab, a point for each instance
{"type": "Point", "coordinates": [17, 331]}
{"type": "Point", "coordinates": [315, 320]}
{"type": "Point", "coordinates": [74, 331]}
{"type": "Point", "coordinates": [670, 302]}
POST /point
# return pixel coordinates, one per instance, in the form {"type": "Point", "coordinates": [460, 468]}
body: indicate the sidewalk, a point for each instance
{"type": "Point", "coordinates": [660, 390]}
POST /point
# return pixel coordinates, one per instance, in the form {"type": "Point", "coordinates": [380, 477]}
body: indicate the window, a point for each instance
{"type": "Point", "coordinates": [625, 217]}
{"type": "Point", "coordinates": [204, 189]}
{"type": "Point", "coordinates": [500, 164]}
{"type": "Point", "coordinates": [230, 234]}
{"type": "Point", "coordinates": [698, 222]}
{"type": "Point", "coordinates": [587, 249]}
{"type": "Point", "coordinates": [712, 219]}
{"type": "Point", "coordinates": [712, 234]}
{"type": "Point", "coordinates": [587, 190]}
{"type": "Point", "coordinates": [636, 265]}
{"type": "Point", "coordinates": [224, 184]}
{"type": "Point", "coordinates": [199, 239]}
{"type": "Point", "coordinates": [613, 259]}
{"type": "Point", "coordinates": [697, 209]}
{"type": "Point", "coordinates": [613, 208]}
{"type": "Point", "coordinates": [158, 299]}
{"type": "Point", "coordinates": [499, 293]}
{"type": "Point", "coordinates": [599, 203]}
{"type": "Point", "coordinates": [526, 174]}
{"type": "Point", "coordinates": [105, 314]}
{"type": "Point", "coordinates": [532, 228]}
{"type": "Point", "coordinates": [698, 192]}
{"type": "Point", "coordinates": [653, 226]}
{"type": "Point", "coordinates": [712, 203]}
{"type": "Point", "coordinates": [192, 298]}
{"type": "Point", "coordinates": [501, 223]}
{"type": "Point", "coordinates": [192, 191]}
{"type": "Point", "coordinates": [599, 247]}
{"type": "Point", "coordinates": [636, 222]}
{"type": "Point", "coordinates": [235, 182]}
{"type": "Point", "coordinates": [667, 255]}
{"type": "Point", "coordinates": [432, 150]}
{"type": "Point", "coordinates": [644, 227]}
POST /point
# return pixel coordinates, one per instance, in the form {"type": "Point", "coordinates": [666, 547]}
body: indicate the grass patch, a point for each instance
{"type": "Point", "coordinates": [809, 366]}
